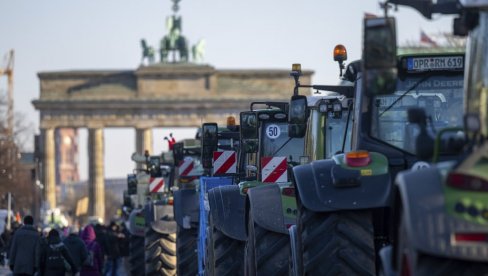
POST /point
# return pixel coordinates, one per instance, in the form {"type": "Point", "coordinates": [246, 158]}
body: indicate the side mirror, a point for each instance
{"type": "Point", "coordinates": [178, 153]}
{"type": "Point", "coordinates": [154, 166]}
{"type": "Point", "coordinates": [379, 43]}
{"type": "Point", "coordinates": [249, 131]}
{"type": "Point", "coordinates": [209, 143]}
{"type": "Point", "coordinates": [379, 55]}
{"type": "Point", "coordinates": [249, 125]}
{"type": "Point", "coordinates": [297, 116]}
{"type": "Point", "coordinates": [131, 184]}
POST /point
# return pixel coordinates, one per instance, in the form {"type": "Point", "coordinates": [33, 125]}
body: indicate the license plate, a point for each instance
{"type": "Point", "coordinates": [435, 63]}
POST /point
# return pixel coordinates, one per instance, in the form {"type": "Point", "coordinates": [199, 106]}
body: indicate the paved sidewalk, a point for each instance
{"type": "Point", "coordinates": [5, 271]}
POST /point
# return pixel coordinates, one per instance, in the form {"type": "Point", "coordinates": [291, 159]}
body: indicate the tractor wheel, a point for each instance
{"type": "Point", "coordinates": [224, 254]}
{"type": "Point", "coordinates": [428, 265]}
{"type": "Point", "coordinates": [267, 253]}
{"type": "Point", "coordinates": [160, 253]}
{"type": "Point", "coordinates": [187, 251]}
{"type": "Point", "coordinates": [136, 257]}
{"type": "Point", "coordinates": [337, 243]}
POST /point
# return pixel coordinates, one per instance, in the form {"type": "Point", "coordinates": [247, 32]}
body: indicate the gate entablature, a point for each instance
{"type": "Point", "coordinates": [160, 95]}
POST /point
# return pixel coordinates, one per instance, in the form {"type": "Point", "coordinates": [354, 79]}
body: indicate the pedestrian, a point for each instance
{"type": "Point", "coordinates": [55, 259]}
{"type": "Point", "coordinates": [76, 247]}
{"type": "Point", "coordinates": [125, 248]}
{"type": "Point", "coordinates": [101, 234]}
{"type": "Point", "coordinates": [22, 256]}
{"type": "Point", "coordinates": [94, 264]}
{"type": "Point", "coordinates": [113, 252]}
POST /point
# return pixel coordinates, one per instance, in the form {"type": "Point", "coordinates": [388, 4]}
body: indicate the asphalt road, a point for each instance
{"type": "Point", "coordinates": [5, 271]}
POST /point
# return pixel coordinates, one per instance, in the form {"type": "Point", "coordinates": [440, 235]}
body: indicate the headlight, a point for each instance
{"type": "Point", "coordinates": [323, 108]}
{"type": "Point", "coordinates": [337, 107]}
{"type": "Point", "coordinates": [263, 116]}
{"type": "Point", "coordinates": [279, 116]}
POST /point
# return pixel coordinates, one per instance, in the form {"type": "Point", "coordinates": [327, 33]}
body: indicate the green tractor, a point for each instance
{"type": "Point", "coordinates": [263, 133]}
{"type": "Point", "coordinates": [272, 209]}
{"type": "Point", "coordinates": [151, 222]}
{"type": "Point", "coordinates": [345, 201]}
{"type": "Point", "coordinates": [441, 210]}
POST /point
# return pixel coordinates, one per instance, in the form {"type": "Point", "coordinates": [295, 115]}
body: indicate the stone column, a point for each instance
{"type": "Point", "coordinates": [49, 167]}
{"type": "Point", "coordinates": [96, 185]}
{"type": "Point", "coordinates": [144, 142]}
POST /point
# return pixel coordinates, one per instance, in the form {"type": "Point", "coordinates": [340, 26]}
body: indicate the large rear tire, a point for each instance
{"type": "Point", "coordinates": [224, 255]}
{"type": "Point", "coordinates": [187, 251]}
{"type": "Point", "coordinates": [160, 253]}
{"type": "Point", "coordinates": [337, 243]}
{"type": "Point", "coordinates": [136, 257]}
{"type": "Point", "coordinates": [267, 253]}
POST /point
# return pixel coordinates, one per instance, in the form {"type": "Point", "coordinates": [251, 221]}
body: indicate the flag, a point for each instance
{"type": "Point", "coordinates": [426, 39]}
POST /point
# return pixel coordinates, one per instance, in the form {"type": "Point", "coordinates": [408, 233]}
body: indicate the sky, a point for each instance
{"type": "Point", "coordinates": [59, 35]}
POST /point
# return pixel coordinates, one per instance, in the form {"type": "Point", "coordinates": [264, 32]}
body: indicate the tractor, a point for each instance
{"type": "Point", "coordinates": [186, 156]}
{"type": "Point", "coordinates": [220, 152]}
{"type": "Point", "coordinates": [151, 222]}
{"type": "Point", "coordinates": [345, 201]}
{"type": "Point", "coordinates": [441, 210]}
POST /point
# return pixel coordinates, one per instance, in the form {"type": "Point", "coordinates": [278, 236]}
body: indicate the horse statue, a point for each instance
{"type": "Point", "coordinates": [174, 41]}
{"type": "Point", "coordinates": [198, 50]}
{"type": "Point", "coordinates": [147, 52]}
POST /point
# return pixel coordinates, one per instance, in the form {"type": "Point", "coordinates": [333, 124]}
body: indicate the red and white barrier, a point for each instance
{"type": "Point", "coordinates": [156, 184]}
{"type": "Point", "coordinates": [186, 167]}
{"type": "Point", "coordinates": [224, 162]}
{"type": "Point", "coordinates": [274, 169]}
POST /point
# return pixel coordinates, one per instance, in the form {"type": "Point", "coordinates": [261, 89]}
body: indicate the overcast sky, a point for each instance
{"type": "Point", "coordinates": [57, 35]}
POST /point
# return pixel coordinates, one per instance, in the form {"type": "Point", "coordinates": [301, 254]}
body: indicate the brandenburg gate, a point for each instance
{"type": "Point", "coordinates": [159, 95]}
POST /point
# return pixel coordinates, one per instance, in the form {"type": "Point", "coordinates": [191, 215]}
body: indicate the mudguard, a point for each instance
{"type": "Point", "coordinates": [228, 210]}
{"type": "Point", "coordinates": [386, 255]}
{"type": "Point", "coordinates": [266, 207]}
{"type": "Point", "coordinates": [162, 219]}
{"type": "Point", "coordinates": [314, 182]}
{"type": "Point", "coordinates": [186, 208]}
{"type": "Point", "coordinates": [429, 226]}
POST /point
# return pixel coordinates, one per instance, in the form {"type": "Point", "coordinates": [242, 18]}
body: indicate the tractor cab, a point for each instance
{"type": "Point", "coordinates": [433, 82]}
{"type": "Point", "coordinates": [186, 156]}
{"type": "Point", "coordinates": [266, 145]}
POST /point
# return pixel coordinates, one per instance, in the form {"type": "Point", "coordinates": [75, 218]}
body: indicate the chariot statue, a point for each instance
{"type": "Point", "coordinates": [174, 41]}
{"type": "Point", "coordinates": [173, 46]}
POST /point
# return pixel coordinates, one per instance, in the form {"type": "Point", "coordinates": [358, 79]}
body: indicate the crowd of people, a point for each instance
{"type": "Point", "coordinates": [95, 250]}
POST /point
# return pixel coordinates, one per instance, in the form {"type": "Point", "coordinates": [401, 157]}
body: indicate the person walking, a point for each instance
{"type": "Point", "coordinates": [76, 247]}
{"type": "Point", "coordinates": [94, 264]}
{"type": "Point", "coordinates": [22, 256]}
{"type": "Point", "coordinates": [55, 259]}
{"type": "Point", "coordinates": [113, 252]}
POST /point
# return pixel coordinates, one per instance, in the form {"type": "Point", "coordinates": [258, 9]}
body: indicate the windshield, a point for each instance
{"type": "Point", "coordinates": [334, 138]}
{"type": "Point", "coordinates": [440, 95]}
{"type": "Point", "coordinates": [325, 135]}
{"type": "Point", "coordinates": [276, 142]}
{"type": "Point", "coordinates": [228, 144]}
